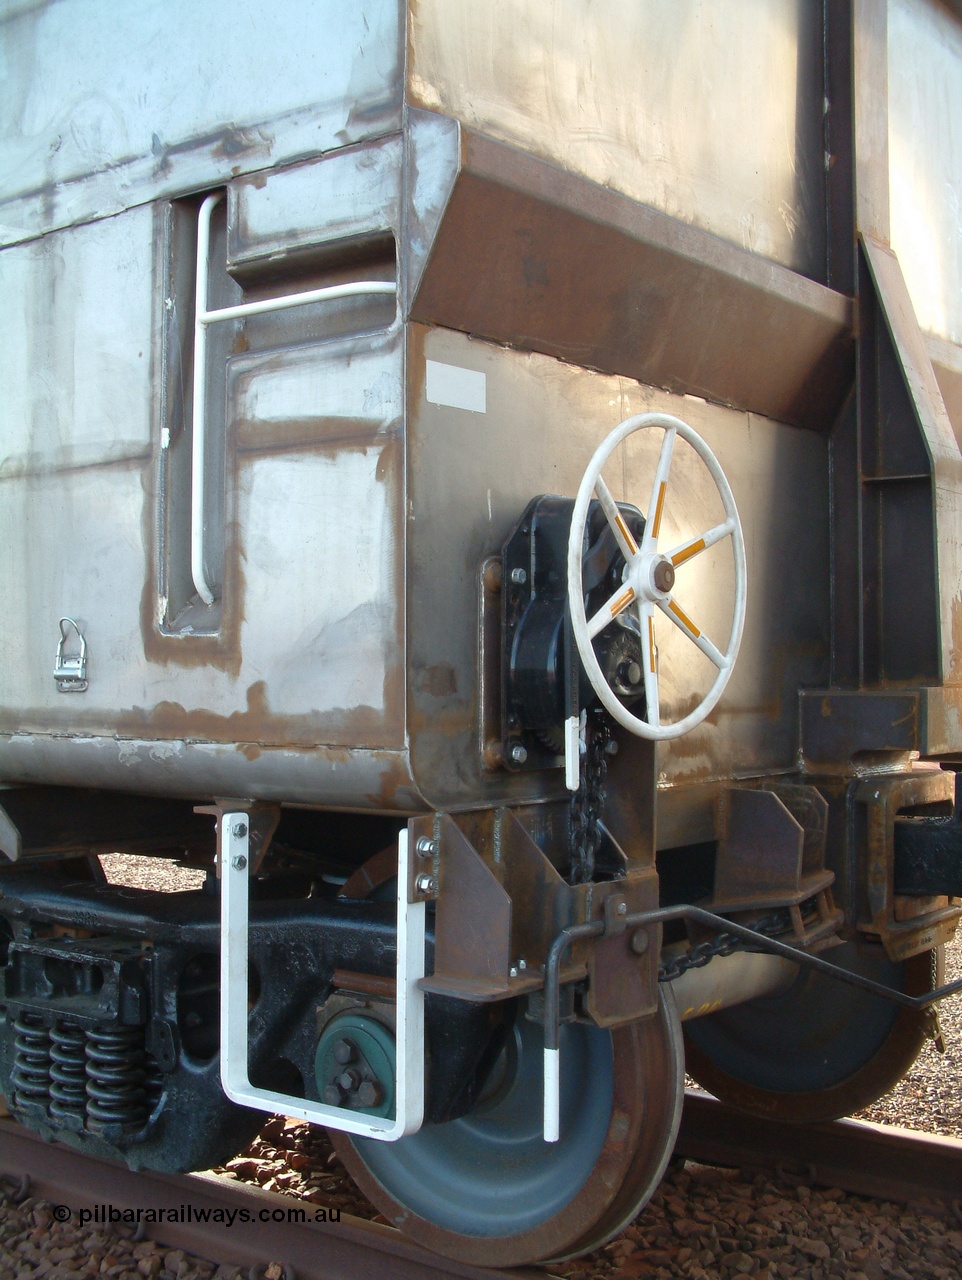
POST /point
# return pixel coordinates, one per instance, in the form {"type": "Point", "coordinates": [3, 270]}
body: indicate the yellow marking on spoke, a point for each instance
{"type": "Point", "coordinates": [623, 601]}
{"type": "Point", "coordinates": [686, 554]}
{"type": "Point", "coordinates": [683, 617]}
{"type": "Point", "coordinates": [659, 508]}
{"type": "Point", "coordinates": [651, 643]}
{"type": "Point", "coordinates": [626, 533]}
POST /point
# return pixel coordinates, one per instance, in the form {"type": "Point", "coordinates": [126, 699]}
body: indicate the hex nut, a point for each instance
{"type": "Point", "coordinates": [344, 1052]}
{"type": "Point", "coordinates": [369, 1093]}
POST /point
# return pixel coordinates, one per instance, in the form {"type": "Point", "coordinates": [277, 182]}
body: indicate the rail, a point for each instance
{"type": "Point", "coordinates": [350, 1249]}
{"type": "Point", "coordinates": [864, 1158]}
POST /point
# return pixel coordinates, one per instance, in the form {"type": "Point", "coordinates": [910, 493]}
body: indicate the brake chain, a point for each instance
{"type": "Point", "coordinates": [588, 801]}
{"type": "Point", "coordinates": [723, 944]}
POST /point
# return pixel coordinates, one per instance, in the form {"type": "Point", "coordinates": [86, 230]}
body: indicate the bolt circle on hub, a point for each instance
{"type": "Point", "coordinates": [367, 1084]}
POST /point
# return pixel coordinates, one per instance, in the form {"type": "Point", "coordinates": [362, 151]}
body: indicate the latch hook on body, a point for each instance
{"type": "Point", "coordinates": [70, 672]}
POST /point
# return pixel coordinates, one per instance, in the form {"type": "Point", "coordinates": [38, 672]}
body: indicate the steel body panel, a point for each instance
{"type": "Point", "coordinates": [314, 207]}
{"type": "Point", "coordinates": [943, 452]}
{"type": "Point", "coordinates": [947, 364]}
{"type": "Point", "coordinates": [318, 650]}
{"type": "Point", "coordinates": [326, 777]}
{"type": "Point", "coordinates": [470, 476]}
{"type": "Point", "coordinates": [144, 107]}
{"type": "Point", "coordinates": [354, 504]}
{"type": "Point", "coordinates": [75, 384]}
{"type": "Point", "coordinates": [655, 101]}
{"type": "Point", "coordinates": [661, 301]}
{"type": "Point", "coordinates": [925, 159]}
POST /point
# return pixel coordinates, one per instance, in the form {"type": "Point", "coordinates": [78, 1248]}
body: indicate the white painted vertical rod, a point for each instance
{"type": "Point", "coordinates": [552, 1095]}
{"type": "Point", "coordinates": [199, 417]}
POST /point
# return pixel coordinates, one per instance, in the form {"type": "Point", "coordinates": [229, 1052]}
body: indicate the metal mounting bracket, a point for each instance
{"type": "Point", "coordinates": [233, 851]}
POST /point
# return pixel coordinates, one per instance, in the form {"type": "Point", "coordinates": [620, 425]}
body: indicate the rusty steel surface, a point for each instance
{"type": "Point", "coordinates": [928, 922]}
{"type": "Point", "coordinates": [947, 363]}
{"type": "Point", "coordinates": [855, 1155]}
{"type": "Point", "coordinates": [664, 303]}
{"type": "Point", "coordinates": [646, 1089]}
{"type": "Point", "coordinates": [350, 1249]}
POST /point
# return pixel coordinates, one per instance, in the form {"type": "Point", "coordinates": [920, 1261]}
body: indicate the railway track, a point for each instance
{"type": "Point", "coordinates": [192, 1212]}
{"type": "Point", "coordinates": [866, 1159]}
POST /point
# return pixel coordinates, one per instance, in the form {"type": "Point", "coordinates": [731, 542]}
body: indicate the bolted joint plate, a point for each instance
{"type": "Point", "coordinates": [622, 971]}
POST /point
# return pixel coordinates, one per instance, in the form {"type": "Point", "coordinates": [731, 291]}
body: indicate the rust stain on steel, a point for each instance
{"type": "Point", "coordinates": [883, 799]}
{"type": "Point", "coordinates": [664, 303]}
{"type": "Point", "coordinates": [397, 790]}
{"type": "Point", "coordinates": [325, 435]}
{"type": "Point", "coordinates": [219, 650]}
{"type": "Point", "coordinates": [942, 733]}
{"type": "Point", "coordinates": [954, 657]}
{"type": "Point", "coordinates": [258, 724]}
{"type": "Point", "coordinates": [440, 680]}
{"type": "Point", "coordinates": [837, 726]}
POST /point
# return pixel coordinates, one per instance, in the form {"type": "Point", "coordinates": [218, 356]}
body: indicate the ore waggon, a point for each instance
{"type": "Point", "coordinates": [482, 482]}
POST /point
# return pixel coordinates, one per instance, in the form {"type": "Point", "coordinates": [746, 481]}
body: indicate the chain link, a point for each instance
{"type": "Point", "coordinates": [588, 801]}
{"type": "Point", "coordinates": [723, 944]}
{"type": "Point", "coordinates": [585, 839]}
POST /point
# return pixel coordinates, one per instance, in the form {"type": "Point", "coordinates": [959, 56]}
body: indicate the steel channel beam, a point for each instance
{"type": "Point", "coordinates": [854, 1155]}
{"type": "Point", "coordinates": [351, 1249]}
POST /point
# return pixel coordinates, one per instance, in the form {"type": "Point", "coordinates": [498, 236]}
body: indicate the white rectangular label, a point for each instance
{"type": "Point", "coordinates": [449, 384]}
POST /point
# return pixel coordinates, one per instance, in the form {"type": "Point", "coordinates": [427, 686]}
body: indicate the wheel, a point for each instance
{"type": "Point", "coordinates": [487, 1188]}
{"type": "Point", "coordinates": [821, 1049]}
{"type": "Point", "coordinates": [649, 578]}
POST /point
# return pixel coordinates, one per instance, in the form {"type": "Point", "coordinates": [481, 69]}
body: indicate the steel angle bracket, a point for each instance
{"type": "Point", "coordinates": [233, 850]}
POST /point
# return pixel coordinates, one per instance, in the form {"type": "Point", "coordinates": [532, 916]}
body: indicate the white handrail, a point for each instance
{"type": "Point", "coordinates": [204, 317]}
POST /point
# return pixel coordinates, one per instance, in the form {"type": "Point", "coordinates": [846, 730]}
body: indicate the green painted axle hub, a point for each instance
{"type": "Point", "coordinates": [355, 1065]}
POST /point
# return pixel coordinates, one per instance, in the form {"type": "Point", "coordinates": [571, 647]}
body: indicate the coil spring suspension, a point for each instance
{"type": "Point", "coordinates": [31, 1070]}
{"type": "Point", "coordinates": [68, 1071]}
{"type": "Point", "coordinates": [153, 1080]}
{"type": "Point", "coordinates": [116, 1079]}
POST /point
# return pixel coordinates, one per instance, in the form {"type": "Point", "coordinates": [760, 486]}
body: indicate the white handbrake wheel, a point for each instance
{"type": "Point", "coordinates": [649, 577]}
